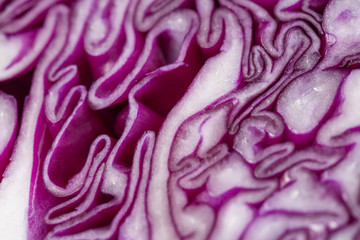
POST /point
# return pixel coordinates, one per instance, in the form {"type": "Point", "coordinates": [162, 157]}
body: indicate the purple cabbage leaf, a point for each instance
{"type": "Point", "coordinates": [182, 119]}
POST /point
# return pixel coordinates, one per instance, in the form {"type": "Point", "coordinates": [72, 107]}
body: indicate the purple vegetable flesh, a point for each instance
{"type": "Point", "coordinates": [183, 119]}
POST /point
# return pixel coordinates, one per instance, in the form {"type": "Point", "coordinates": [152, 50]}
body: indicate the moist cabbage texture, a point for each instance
{"type": "Point", "coordinates": [180, 119]}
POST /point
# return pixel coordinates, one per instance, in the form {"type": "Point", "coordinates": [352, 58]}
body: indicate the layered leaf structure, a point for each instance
{"type": "Point", "coordinates": [182, 119]}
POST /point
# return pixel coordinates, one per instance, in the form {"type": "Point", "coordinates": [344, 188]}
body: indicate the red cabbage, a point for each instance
{"type": "Point", "coordinates": [182, 119]}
